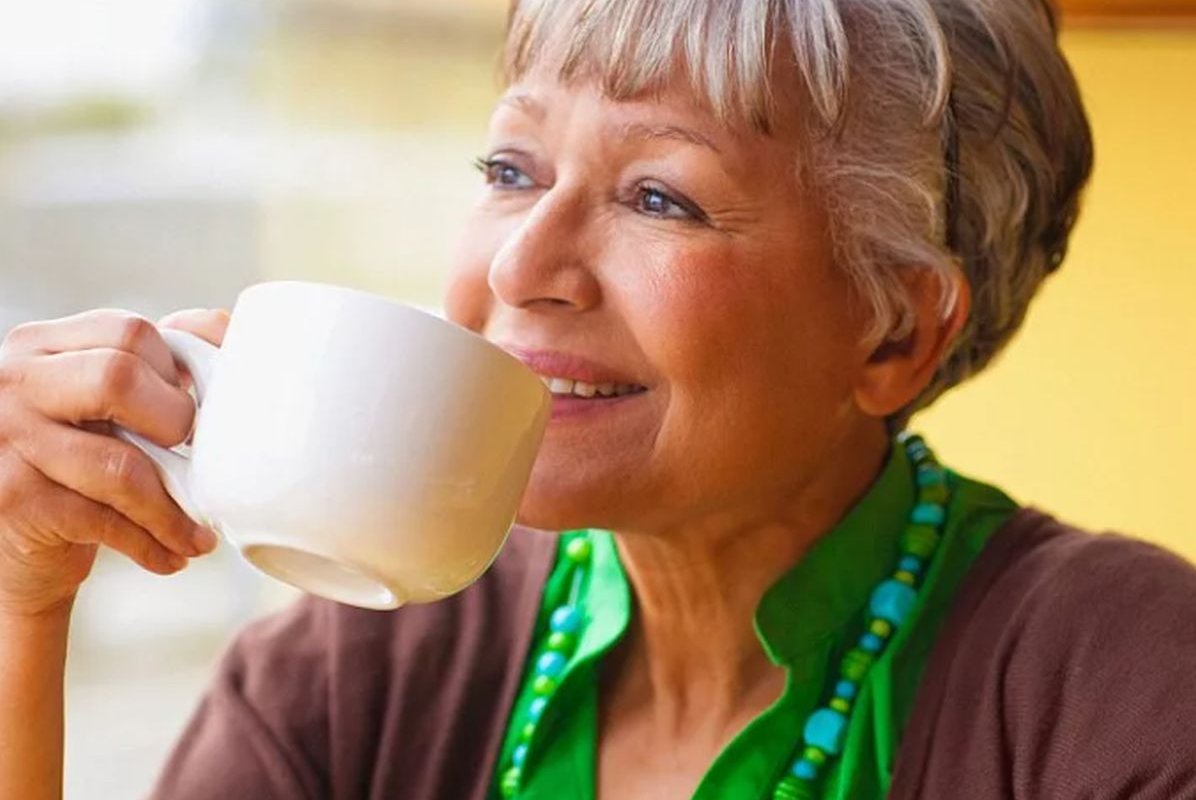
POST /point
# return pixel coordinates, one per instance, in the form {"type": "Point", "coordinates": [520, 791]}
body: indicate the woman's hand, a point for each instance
{"type": "Point", "coordinates": [65, 486]}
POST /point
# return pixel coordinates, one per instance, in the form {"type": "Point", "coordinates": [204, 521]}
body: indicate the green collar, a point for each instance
{"type": "Point", "coordinates": [810, 604]}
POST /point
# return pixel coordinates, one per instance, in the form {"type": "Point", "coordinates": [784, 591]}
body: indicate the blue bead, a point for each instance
{"type": "Point", "coordinates": [566, 619]}
{"type": "Point", "coordinates": [892, 601]}
{"type": "Point", "coordinates": [929, 475]}
{"type": "Point", "coordinates": [928, 514]}
{"type": "Point", "coordinates": [845, 689]}
{"type": "Point", "coordinates": [519, 755]}
{"type": "Point", "coordinates": [825, 729]}
{"type": "Point", "coordinates": [871, 642]}
{"type": "Point", "coordinates": [910, 564]}
{"type": "Point", "coordinates": [535, 709]}
{"type": "Point", "coordinates": [805, 770]}
{"type": "Point", "coordinates": [551, 664]}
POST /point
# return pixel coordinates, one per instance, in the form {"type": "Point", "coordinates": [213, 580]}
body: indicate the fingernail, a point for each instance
{"type": "Point", "coordinates": [203, 539]}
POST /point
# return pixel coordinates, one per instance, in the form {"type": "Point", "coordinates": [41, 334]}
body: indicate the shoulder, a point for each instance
{"type": "Point", "coordinates": [1056, 579]}
{"type": "Point", "coordinates": [1088, 642]}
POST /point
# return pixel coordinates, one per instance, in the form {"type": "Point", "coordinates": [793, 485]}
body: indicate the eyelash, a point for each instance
{"type": "Point", "coordinates": [491, 168]}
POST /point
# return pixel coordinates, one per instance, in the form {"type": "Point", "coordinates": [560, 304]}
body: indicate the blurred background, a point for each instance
{"type": "Point", "coordinates": [161, 154]}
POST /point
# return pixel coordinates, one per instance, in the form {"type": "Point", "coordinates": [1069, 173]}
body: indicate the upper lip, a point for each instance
{"type": "Point", "coordinates": [556, 364]}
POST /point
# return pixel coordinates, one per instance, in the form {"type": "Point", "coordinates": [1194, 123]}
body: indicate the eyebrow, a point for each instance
{"type": "Point", "coordinates": [525, 103]}
{"type": "Point", "coordinates": [632, 130]}
{"type": "Point", "coordinates": [639, 130]}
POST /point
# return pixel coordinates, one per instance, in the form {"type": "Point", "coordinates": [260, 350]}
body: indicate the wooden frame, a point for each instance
{"type": "Point", "coordinates": [1128, 11]}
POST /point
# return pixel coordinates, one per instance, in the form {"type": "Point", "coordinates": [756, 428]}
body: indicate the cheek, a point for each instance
{"type": "Point", "coordinates": [467, 295]}
{"type": "Point", "coordinates": [742, 321]}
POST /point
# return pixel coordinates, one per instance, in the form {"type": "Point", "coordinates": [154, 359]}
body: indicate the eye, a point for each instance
{"type": "Point", "coordinates": [503, 174]}
{"type": "Point", "coordinates": [656, 203]}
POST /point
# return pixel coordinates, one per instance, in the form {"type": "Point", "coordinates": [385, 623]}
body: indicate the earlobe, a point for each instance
{"type": "Point", "coordinates": [897, 371]}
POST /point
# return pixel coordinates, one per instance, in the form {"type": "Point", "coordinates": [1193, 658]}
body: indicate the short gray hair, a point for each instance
{"type": "Point", "coordinates": [944, 133]}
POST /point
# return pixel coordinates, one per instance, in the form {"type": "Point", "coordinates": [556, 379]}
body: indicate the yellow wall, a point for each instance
{"type": "Point", "coordinates": [1092, 412]}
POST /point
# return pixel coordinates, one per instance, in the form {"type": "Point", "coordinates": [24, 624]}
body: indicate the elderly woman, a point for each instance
{"type": "Point", "coordinates": [743, 241]}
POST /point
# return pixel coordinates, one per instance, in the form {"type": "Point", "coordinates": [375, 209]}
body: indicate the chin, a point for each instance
{"type": "Point", "coordinates": [561, 500]}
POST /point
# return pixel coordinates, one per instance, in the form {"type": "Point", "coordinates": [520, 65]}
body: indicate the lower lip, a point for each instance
{"type": "Point", "coordinates": [570, 407]}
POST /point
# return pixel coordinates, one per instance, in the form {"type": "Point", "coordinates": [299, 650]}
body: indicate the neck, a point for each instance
{"type": "Point", "coordinates": [692, 656]}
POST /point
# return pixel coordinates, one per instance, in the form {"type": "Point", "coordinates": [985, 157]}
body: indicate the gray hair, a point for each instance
{"type": "Point", "coordinates": [944, 134]}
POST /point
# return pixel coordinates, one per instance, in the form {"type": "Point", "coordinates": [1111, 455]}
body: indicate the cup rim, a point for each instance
{"type": "Point", "coordinates": [392, 303]}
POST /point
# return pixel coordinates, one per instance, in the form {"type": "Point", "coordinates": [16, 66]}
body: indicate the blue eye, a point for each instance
{"type": "Point", "coordinates": [503, 175]}
{"type": "Point", "coordinates": [656, 203]}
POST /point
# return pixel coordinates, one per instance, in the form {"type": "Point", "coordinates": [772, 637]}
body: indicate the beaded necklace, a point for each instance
{"type": "Point", "coordinates": [891, 601]}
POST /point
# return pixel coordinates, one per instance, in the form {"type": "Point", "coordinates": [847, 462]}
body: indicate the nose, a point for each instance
{"type": "Point", "coordinates": [547, 260]}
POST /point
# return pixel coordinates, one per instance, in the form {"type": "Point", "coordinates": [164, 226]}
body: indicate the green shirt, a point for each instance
{"type": "Point", "coordinates": [804, 622]}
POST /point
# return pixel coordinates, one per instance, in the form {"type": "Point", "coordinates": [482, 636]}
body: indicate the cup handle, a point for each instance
{"type": "Point", "coordinates": [174, 468]}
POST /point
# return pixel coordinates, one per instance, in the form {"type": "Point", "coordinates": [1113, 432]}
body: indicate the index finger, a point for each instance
{"type": "Point", "coordinates": [102, 328]}
{"type": "Point", "coordinates": [208, 324]}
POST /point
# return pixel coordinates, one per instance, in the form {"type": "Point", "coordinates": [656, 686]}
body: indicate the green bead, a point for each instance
{"type": "Point", "coordinates": [527, 732]}
{"type": "Point", "coordinates": [881, 627]}
{"type": "Point", "coordinates": [907, 578]}
{"type": "Point", "coordinates": [936, 493]}
{"type": "Point", "coordinates": [579, 550]}
{"type": "Point", "coordinates": [561, 642]}
{"type": "Point", "coordinates": [510, 782]}
{"type": "Point", "coordinates": [543, 685]}
{"type": "Point", "coordinates": [840, 705]}
{"type": "Point", "coordinates": [920, 540]}
{"type": "Point", "coordinates": [792, 788]}
{"type": "Point", "coordinates": [856, 664]}
{"type": "Point", "coordinates": [814, 756]}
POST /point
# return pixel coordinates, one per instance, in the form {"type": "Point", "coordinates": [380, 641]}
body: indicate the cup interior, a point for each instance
{"type": "Point", "coordinates": [322, 576]}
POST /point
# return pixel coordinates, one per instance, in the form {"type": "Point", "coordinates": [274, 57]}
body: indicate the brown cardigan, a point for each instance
{"type": "Point", "coordinates": [1065, 671]}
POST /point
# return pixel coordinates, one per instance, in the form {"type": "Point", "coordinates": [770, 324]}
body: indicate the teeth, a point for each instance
{"type": "Point", "coordinates": [565, 386]}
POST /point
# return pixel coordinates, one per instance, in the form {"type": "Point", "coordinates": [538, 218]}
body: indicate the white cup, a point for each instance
{"type": "Point", "coordinates": [354, 447]}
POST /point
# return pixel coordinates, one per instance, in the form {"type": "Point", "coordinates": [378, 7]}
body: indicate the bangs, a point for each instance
{"type": "Point", "coordinates": [726, 50]}
{"type": "Point", "coordinates": [721, 49]}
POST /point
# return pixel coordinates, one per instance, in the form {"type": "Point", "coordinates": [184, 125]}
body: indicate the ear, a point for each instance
{"type": "Point", "coordinates": [898, 370]}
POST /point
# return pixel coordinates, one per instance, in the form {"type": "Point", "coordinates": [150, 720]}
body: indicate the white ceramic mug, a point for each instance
{"type": "Point", "coordinates": [354, 447]}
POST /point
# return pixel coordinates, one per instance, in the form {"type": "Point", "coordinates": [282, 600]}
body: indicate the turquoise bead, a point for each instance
{"type": "Point", "coordinates": [871, 642]}
{"type": "Point", "coordinates": [535, 709]}
{"type": "Point", "coordinates": [519, 755]}
{"type": "Point", "coordinates": [929, 475]}
{"type": "Point", "coordinates": [846, 689]}
{"type": "Point", "coordinates": [805, 770]}
{"type": "Point", "coordinates": [825, 729]}
{"type": "Point", "coordinates": [910, 564]}
{"type": "Point", "coordinates": [893, 601]}
{"type": "Point", "coordinates": [566, 619]}
{"type": "Point", "coordinates": [551, 664]}
{"type": "Point", "coordinates": [928, 514]}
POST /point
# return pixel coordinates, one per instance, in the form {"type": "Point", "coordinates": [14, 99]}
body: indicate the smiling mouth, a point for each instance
{"type": "Point", "coordinates": [565, 387]}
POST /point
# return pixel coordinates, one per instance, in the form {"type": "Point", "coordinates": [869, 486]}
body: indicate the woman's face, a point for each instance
{"type": "Point", "coordinates": [642, 243]}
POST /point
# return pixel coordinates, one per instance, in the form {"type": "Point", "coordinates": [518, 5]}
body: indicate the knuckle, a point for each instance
{"type": "Point", "coordinates": [123, 467]}
{"type": "Point", "coordinates": [134, 332]}
{"type": "Point", "coordinates": [22, 334]}
{"type": "Point", "coordinates": [119, 374]}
